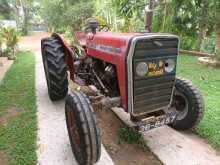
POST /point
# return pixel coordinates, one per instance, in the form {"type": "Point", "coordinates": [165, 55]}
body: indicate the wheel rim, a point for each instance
{"type": "Point", "coordinates": [181, 104]}
{"type": "Point", "coordinates": [73, 129]}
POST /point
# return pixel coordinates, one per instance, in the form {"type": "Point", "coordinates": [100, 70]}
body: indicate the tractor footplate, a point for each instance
{"type": "Point", "coordinates": [154, 122]}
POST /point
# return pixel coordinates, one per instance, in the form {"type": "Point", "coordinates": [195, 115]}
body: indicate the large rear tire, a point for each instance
{"type": "Point", "coordinates": [82, 128]}
{"type": "Point", "coordinates": [189, 103]}
{"type": "Point", "coordinates": [55, 68]}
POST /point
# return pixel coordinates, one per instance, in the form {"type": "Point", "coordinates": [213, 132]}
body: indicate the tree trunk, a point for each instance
{"type": "Point", "coordinates": [201, 36]}
{"type": "Point", "coordinates": [25, 23]}
{"type": "Point", "coordinates": [203, 23]}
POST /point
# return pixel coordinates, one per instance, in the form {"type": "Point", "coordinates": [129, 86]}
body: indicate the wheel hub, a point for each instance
{"type": "Point", "coordinates": [73, 129]}
{"type": "Point", "coordinates": [181, 105]}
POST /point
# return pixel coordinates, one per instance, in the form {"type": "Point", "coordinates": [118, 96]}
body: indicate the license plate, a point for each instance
{"type": "Point", "coordinates": [158, 122]}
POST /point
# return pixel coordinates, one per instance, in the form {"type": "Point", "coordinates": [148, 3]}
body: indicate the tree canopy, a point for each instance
{"type": "Point", "coordinates": [195, 21]}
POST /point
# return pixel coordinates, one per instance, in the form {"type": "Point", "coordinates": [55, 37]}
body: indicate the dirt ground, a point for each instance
{"type": "Point", "coordinates": [3, 158]}
{"type": "Point", "coordinates": [124, 153]}
{"type": "Point", "coordinates": [5, 65]}
{"type": "Point", "coordinates": [9, 113]}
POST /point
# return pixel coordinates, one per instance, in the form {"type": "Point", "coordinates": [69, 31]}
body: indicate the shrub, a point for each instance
{"type": "Point", "coordinates": [217, 56]}
{"type": "Point", "coordinates": [11, 37]}
{"type": "Point", "coordinates": [208, 44]}
{"type": "Point", "coordinates": [73, 41]}
{"type": "Point", "coordinates": [1, 40]}
{"type": "Point", "coordinates": [187, 42]}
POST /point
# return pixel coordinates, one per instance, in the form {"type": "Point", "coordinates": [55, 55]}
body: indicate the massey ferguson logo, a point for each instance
{"type": "Point", "coordinates": [104, 48]}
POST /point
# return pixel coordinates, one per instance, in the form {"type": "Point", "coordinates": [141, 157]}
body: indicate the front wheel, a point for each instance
{"type": "Point", "coordinates": [55, 68]}
{"type": "Point", "coordinates": [82, 128]}
{"type": "Point", "coordinates": [189, 103]}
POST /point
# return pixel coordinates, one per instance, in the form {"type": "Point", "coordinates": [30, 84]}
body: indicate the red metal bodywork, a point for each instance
{"type": "Point", "coordinates": [119, 41]}
{"type": "Point", "coordinates": [95, 46]}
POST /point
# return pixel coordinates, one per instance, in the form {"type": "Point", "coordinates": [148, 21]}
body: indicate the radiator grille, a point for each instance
{"type": "Point", "coordinates": [153, 93]}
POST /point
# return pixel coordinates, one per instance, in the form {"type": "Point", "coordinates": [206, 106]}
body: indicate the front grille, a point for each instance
{"type": "Point", "coordinates": [152, 93]}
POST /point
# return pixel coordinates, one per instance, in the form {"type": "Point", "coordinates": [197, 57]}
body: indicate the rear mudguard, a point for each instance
{"type": "Point", "coordinates": [69, 54]}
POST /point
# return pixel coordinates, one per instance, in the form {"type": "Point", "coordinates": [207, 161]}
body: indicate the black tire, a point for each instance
{"type": "Point", "coordinates": [55, 68]}
{"type": "Point", "coordinates": [185, 92]}
{"type": "Point", "coordinates": [82, 128]}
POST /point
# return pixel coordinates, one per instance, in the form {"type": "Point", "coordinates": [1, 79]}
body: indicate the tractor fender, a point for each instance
{"type": "Point", "coordinates": [63, 42]}
{"type": "Point", "coordinates": [69, 53]}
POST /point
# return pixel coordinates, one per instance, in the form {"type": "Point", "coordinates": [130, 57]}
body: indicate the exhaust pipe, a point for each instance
{"type": "Point", "coordinates": [149, 12]}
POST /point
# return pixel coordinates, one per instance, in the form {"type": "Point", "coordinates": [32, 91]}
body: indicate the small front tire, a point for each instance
{"type": "Point", "coordinates": [82, 128]}
{"type": "Point", "coordinates": [189, 104]}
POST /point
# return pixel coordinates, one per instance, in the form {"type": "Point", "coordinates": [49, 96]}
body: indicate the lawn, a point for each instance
{"type": "Point", "coordinates": [208, 80]}
{"type": "Point", "coordinates": [18, 124]}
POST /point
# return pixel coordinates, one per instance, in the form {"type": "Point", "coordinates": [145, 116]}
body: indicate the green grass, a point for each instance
{"type": "Point", "coordinates": [18, 136]}
{"type": "Point", "coordinates": [130, 136]}
{"type": "Point", "coordinates": [208, 81]}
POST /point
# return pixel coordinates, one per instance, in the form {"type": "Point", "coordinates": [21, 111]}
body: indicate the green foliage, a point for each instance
{"type": "Point", "coordinates": [192, 20]}
{"type": "Point", "coordinates": [6, 12]}
{"type": "Point", "coordinates": [76, 15]}
{"type": "Point", "coordinates": [17, 90]}
{"type": "Point", "coordinates": [217, 56]}
{"type": "Point", "coordinates": [1, 40]}
{"type": "Point", "coordinates": [132, 13]}
{"type": "Point", "coordinates": [187, 42]}
{"type": "Point", "coordinates": [132, 137]}
{"type": "Point", "coordinates": [72, 40]}
{"type": "Point", "coordinates": [208, 44]}
{"type": "Point", "coordinates": [58, 15]}
{"type": "Point", "coordinates": [11, 37]}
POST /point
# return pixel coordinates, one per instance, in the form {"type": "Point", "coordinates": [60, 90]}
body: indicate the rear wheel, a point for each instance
{"type": "Point", "coordinates": [189, 104]}
{"type": "Point", "coordinates": [82, 128]}
{"type": "Point", "coordinates": [55, 68]}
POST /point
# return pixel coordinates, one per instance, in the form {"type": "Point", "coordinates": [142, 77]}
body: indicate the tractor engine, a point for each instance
{"type": "Point", "coordinates": [91, 71]}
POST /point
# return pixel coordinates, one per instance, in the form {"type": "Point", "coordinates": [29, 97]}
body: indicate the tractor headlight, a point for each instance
{"type": "Point", "coordinates": [141, 69]}
{"type": "Point", "coordinates": [170, 65]}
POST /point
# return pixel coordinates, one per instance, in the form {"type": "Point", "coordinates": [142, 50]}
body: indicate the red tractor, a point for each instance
{"type": "Point", "coordinates": [133, 71]}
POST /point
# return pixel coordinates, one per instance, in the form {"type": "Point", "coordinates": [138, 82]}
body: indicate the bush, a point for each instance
{"type": "Point", "coordinates": [208, 44]}
{"type": "Point", "coordinates": [73, 41]}
{"type": "Point", "coordinates": [187, 43]}
{"type": "Point", "coordinates": [11, 37]}
{"type": "Point", "coordinates": [217, 56]}
{"type": "Point", "coordinates": [1, 40]}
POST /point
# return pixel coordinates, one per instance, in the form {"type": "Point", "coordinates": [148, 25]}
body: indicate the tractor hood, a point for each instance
{"type": "Point", "coordinates": [107, 46]}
